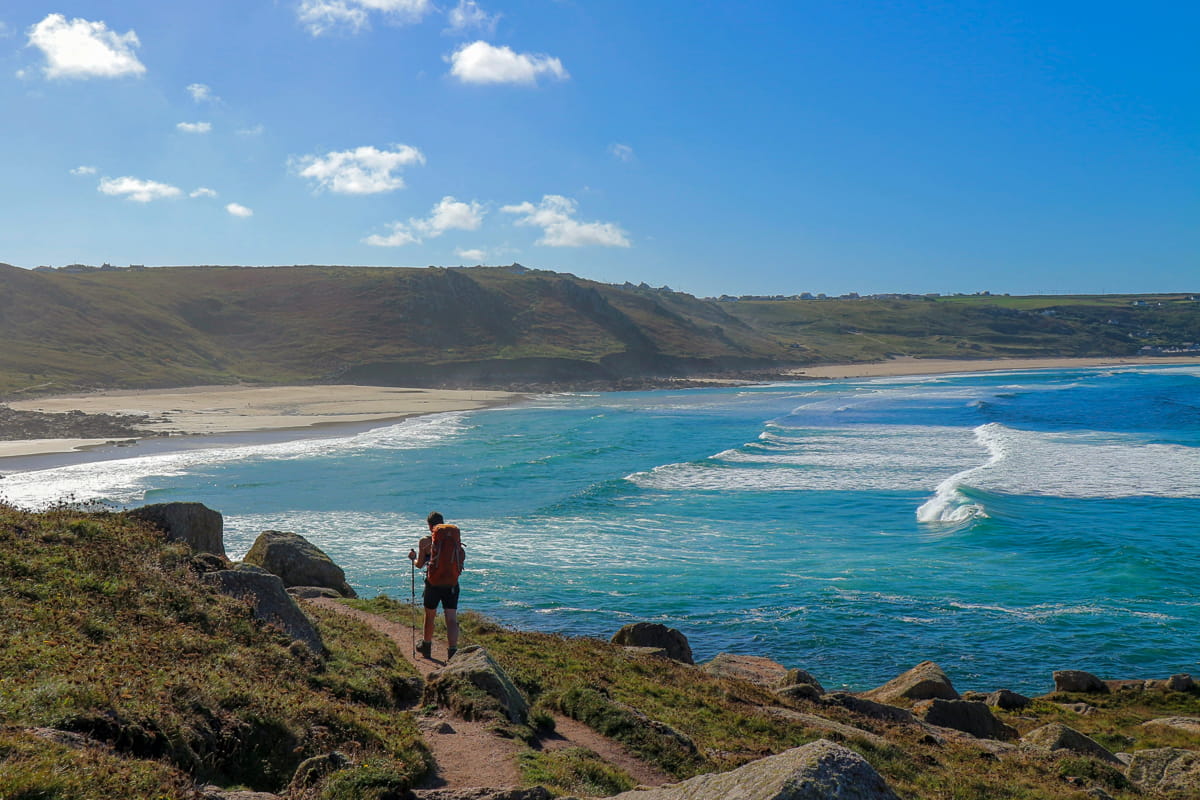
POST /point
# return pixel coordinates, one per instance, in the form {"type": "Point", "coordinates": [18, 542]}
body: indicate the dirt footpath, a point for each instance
{"type": "Point", "coordinates": [468, 755]}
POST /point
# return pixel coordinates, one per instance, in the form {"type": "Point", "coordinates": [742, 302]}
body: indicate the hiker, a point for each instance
{"type": "Point", "coordinates": [443, 552]}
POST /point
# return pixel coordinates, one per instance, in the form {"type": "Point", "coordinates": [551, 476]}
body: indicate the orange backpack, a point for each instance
{"type": "Point", "coordinates": [446, 556]}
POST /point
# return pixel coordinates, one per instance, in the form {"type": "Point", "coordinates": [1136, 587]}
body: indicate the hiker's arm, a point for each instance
{"type": "Point", "coordinates": [423, 552]}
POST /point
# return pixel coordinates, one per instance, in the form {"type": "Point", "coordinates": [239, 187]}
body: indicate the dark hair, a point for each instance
{"type": "Point", "coordinates": [434, 518]}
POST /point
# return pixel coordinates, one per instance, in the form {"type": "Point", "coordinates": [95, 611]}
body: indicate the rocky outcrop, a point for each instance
{"type": "Point", "coordinates": [1074, 680]}
{"type": "Point", "coordinates": [791, 684]}
{"type": "Point", "coordinates": [1180, 683]}
{"type": "Point", "coordinates": [297, 561]}
{"type": "Point", "coordinates": [868, 708]}
{"type": "Point", "coordinates": [313, 592]}
{"type": "Point", "coordinates": [794, 678]}
{"type": "Point", "coordinates": [1009, 701]}
{"type": "Point", "coordinates": [1169, 770]}
{"type": "Point", "coordinates": [652, 634]}
{"type": "Point", "coordinates": [535, 793]}
{"type": "Point", "coordinates": [473, 686]}
{"type": "Point", "coordinates": [194, 524]}
{"type": "Point", "coordinates": [800, 691]}
{"type": "Point", "coordinates": [1186, 724]}
{"type": "Point", "coordinates": [648, 652]}
{"type": "Point", "coordinates": [817, 771]}
{"type": "Point", "coordinates": [753, 669]}
{"type": "Point", "coordinates": [22, 424]}
{"type": "Point", "coordinates": [966, 716]}
{"type": "Point", "coordinates": [268, 600]}
{"type": "Point", "coordinates": [1176, 683]}
{"type": "Point", "coordinates": [925, 681]}
{"type": "Point", "coordinates": [1057, 738]}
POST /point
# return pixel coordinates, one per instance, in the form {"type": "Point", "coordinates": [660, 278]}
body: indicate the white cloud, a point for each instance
{"type": "Point", "coordinates": [239, 210]}
{"type": "Point", "coordinates": [621, 152]}
{"type": "Point", "coordinates": [555, 216]}
{"type": "Point", "coordinates": [364, 170]}
{"type": "Point", "coordinates": [467, 15]}
{"type": "Point", "coordinates": [475, 255]}
{"type": "Point", "coordinates": [448, 214]}
{"type": "Point", "coordinates": [138, 190]}
{"type": "Point", "coordinates": [325, 16]}
{"type": "Point", "coordinates": [451, 214]}
{"type": "Point", "coordinates": [480, 62]}
{"type": "Point", "coordinates": [202, 93]}
{"type": "Point", "coordinates": [83, 49]}
{"type": "Point", "coordinates": [257, 130]}
{"type": "Point", "coordinates": [195, 127]}
{"type": "Point", "coordinates": [203, 191]}
{"type": "Point", "coordinates": [397, 238]}
{"type": "Point", "coordinates": [83, 170]}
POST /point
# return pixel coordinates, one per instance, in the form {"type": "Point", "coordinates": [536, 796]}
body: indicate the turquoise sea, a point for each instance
{"type": "Point", "coordinates": [1003, 525]}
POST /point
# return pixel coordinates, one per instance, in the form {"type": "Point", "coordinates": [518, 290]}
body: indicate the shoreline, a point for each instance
{"type": "Point", "coordinates": [907, 365]}
{"type": "Point", "coordinates": [207, 414]}
{"type": "Point", "coordinates": [201, 416]}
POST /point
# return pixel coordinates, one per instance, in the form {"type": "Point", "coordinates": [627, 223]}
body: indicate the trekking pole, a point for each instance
{"type": "Point", "coordinates": [412, 604]}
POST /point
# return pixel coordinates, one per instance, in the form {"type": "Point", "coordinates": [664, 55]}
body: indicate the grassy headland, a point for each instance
{"type": "Point", "coordinates": [123, 674]}
{"type": "Point", "coordinates": [704, 723]}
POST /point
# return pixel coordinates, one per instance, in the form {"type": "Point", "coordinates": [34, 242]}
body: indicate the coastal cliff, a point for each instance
{"type": "Point", "coordinates": [132, 669]}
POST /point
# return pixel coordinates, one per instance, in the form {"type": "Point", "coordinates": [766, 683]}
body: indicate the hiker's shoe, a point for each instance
{"type": "Point", "coordinates": [450, 653]}
{"type": "Point", "coordinates": [425, 649]}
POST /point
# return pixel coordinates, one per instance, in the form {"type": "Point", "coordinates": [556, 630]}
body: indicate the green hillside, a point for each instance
{"type": "Point", "coordinates": [142, 328]}
{"type": "Point", "coordinates": [976, 326]}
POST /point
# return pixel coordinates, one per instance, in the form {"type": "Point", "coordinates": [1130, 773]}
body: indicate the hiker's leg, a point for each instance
{"type": "Point", "coordinates": [430, 616]}
{"type": "Point", "coordinates": [452, 628]}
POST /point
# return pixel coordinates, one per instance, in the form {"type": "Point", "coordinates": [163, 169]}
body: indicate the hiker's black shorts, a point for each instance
{"type": "Point", "coordinates": [446, 595]}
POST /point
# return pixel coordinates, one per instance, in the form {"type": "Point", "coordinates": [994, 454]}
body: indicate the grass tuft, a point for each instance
{"type": "Point", "coordinates": [573, 770]}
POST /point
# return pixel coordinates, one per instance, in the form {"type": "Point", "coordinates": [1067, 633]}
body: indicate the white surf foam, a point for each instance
{"type": "Point", "coordinates": [124, 481]}
{"type": "Point", "coordinates": [948, 503]}
{"type": "Point", "coordinates": [862, 458]}
{"type": "Point", "coordinates": [1089, 465]}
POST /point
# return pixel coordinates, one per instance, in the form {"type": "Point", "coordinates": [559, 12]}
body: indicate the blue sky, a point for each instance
{"type": "Point", "coordinates": [715, 147]}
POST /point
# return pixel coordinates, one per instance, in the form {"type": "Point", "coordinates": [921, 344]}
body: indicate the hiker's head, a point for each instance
{"type": "Point", "coordinates": [434, 518]}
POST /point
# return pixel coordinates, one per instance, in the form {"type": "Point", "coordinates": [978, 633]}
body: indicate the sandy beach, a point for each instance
{"type": "Point", "coordinates": [214, 410]}
{"type": "Point", "coordinates": [211, 410]}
